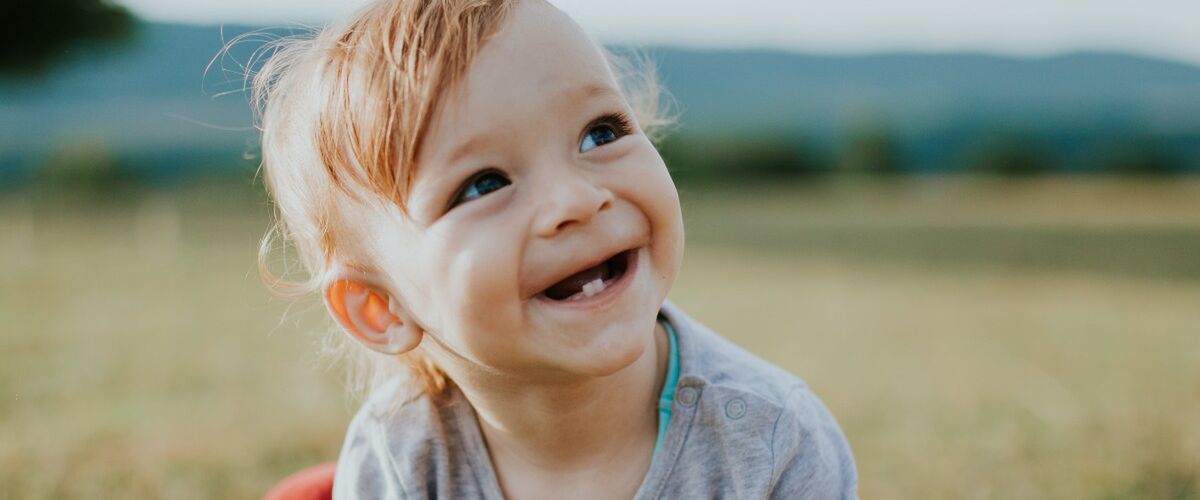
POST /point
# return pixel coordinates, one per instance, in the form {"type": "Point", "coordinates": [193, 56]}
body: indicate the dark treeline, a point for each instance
{"type": "Point", "coordinates": [878, 151]}
{"type": "Point", "coordinates": [728, 159]}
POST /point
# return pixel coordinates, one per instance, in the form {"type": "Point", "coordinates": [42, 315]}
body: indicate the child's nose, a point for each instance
{"type": "Point", "coordinates": [570, 199]}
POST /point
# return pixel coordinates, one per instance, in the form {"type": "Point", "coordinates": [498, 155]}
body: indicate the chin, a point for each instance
{"type": "Point", "coordinates": [615, 347]}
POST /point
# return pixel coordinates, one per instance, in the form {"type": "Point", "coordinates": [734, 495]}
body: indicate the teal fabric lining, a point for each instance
{"type": "Point", "coordinates": [667, 397]}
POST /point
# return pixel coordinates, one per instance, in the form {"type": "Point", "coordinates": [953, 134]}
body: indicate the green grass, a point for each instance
{"type": "Point", "coordinates": [976, 339]}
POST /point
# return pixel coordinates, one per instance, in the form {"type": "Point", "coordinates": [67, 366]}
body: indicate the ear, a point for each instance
{"type": "Point", "coordinates": [371, 316]}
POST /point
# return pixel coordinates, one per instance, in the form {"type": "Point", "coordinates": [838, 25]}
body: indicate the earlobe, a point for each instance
{"type": "Point", "coordinates": [371, 316]}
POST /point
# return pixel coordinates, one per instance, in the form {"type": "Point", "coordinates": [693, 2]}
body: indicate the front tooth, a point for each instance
{"type": "Point", "coordinates": [593, 287]}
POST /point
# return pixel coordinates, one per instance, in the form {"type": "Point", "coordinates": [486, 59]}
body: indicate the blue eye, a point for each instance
{"type": "Point", "coordinates": [480, 185]}
{"type": "Point", "coordinates": [604, 130]}
{"type": "Point", "coordinates": [597, 136]}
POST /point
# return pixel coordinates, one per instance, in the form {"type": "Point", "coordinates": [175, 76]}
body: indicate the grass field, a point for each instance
{"type": "Point", "coordinates": [976, 339]}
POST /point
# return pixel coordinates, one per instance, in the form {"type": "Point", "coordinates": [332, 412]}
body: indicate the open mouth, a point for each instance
{"type": "Point", "coordinates": [590, 281]}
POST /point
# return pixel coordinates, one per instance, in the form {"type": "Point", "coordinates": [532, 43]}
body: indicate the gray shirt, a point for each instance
{"type": "Point", "coordinates": [741, 428]}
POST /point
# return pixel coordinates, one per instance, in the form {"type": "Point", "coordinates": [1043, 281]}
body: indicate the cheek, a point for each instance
{"type": "Point", "coordinates": [473, 277]}
{"type": "Point", "coordinates": [659, 199]}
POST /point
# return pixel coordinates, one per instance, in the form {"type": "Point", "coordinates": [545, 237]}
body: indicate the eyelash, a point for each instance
{"type": "Point", "coordinates": [462, 191]}
{"type": "Point", "coordinates": [620, 122]}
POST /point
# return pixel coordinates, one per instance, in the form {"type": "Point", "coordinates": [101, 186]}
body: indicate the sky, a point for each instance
{"type": "Point", "coordinates": [1162, 28]}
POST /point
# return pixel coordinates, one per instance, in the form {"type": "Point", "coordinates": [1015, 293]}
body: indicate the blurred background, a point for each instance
{"type": "Point", "coordinates": [973, 229]}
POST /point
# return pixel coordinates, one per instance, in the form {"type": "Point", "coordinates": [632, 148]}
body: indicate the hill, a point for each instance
{"type": "Point", "coordinates": [154, 106]}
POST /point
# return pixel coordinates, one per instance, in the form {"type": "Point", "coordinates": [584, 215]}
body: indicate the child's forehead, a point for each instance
{"type": "Point", "coordinates": [539, 55]}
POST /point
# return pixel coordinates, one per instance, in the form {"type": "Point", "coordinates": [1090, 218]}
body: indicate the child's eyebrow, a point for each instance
{"type": "Point", "coordinates": [465, 148]}
{"type": "Point", "coordinates": [570, 97]}
{"type": "Point", "coordinates": [591, 90]}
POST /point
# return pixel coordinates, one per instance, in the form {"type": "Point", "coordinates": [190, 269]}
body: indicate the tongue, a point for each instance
{"type": "Point", "coordinates": [573, 284]}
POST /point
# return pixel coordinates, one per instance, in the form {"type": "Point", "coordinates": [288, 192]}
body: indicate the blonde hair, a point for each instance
{"type": "Point", "coordinates": [342, 113]}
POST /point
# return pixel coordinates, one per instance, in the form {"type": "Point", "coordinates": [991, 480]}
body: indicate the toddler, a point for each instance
{"type": "Point", "coordinates": [471, 186]}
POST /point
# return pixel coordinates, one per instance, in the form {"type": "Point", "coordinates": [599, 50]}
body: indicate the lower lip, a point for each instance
{"type": "Point", "coordinates": [606, 295]}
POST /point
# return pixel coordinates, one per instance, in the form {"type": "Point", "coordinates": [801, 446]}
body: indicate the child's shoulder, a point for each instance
{"type": "Point", "coordinates": [406, 444]}
{"type": "Point", "coordinates": [710, 361]}
{"type": "Point", "coordinates": [394, 402]}
{"type": "Point", "coordinates": [752, 423]}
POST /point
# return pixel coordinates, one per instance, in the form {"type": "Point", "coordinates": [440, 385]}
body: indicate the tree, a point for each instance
{"type": "Point", "coordinates": [760, 155]}
{"type": "Point", "coordinates": [1010, 155]}
{"type": "Point", "coordinates": [37, 33]}
{"type": "Point", "coordinates": [1140, 156]}
{"type": "Point", "coordinates": [870, 149]}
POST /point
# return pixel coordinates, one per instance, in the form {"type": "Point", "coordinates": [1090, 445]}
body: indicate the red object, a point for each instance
{"type": "Point", "coordinates": [311, 483]}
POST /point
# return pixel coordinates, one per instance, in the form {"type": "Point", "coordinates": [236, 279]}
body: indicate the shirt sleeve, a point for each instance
{"type": "Point", "coordinates": [812, 459]}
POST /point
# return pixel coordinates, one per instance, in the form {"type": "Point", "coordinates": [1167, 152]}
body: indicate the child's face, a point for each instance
{"type": "Point", "coordinates": [527, 176]}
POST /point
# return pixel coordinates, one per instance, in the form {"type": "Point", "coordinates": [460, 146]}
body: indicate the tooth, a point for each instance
{"type": "Point", "coordinates": [593, 287]}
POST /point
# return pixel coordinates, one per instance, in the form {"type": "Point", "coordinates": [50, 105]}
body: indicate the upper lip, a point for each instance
{"type": "Point", "coordinates": [578, 265]}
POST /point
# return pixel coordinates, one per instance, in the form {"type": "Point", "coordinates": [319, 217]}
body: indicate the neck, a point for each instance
{"type": "Point", "coordinates": [583, 425]}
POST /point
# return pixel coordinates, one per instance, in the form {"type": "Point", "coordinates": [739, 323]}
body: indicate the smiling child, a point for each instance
{"type": "Point", "coordinates": [472, 189]}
